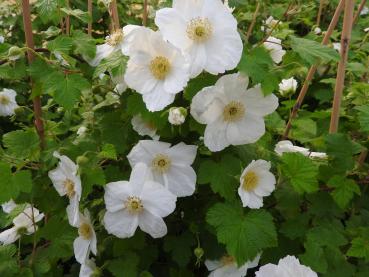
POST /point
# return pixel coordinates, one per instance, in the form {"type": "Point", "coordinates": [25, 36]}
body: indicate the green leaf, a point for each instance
{"type": "Point", "coordinates": [67, 89]}
{"type": "Point", "coordinates": [22, 144]}
{"type": "Point", "coordinates": [116, 64]}
{"type": "Point", "coordinates": [61, 44]}
{"type": "Point", "coordinates": [108, 152]}
{"type": "Point", "coordinates": [300, 171]}
{"type": "Point", "coordinates": [258, 64]}
{"type": "Point", "coordinates": [8, 263]}
{"type": "Point", "coordinates": [359, 248]}
{"type": "Point", "coordinates": [7, 188]}
{"type": "Point", "coordinates": [314, 257]}
{"type": "Point", "coordinates": [23, 180]}
{"type": "Point", "coordinates": [84, 44]}
{"type": "Point", "coordinates": [221, 176]}
{"type": "Point", "coordinates": [312, 51]}
{"type": "Point", "coordinates": [340, 149]}
{"type": "Point", "coordinates": [180, 247]}
{"type": "Point", "coordinates": [77, 13]}
{"type": "Point", "coordinates": [344, 190]}
{"type": "Point", "coordinates": [245, 235]}
{"type": "Point", "coordinates": [126, 266]}
{"type": "Point", "coordinates": [364, 117]}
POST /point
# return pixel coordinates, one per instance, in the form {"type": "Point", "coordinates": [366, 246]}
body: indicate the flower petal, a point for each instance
{"type": "Point", "coordinates": [115, 195]}
{"type": "Point", "coordinates": [152, 224]}
{"type": "Point", "coordinates": [81, 249]}
{"type": "Point", "coordinates": [181, 180]}
{"type": "Point", "coordinates": [121, 223]}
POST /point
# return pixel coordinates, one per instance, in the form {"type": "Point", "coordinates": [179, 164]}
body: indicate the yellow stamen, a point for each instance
{"type": "Point", "coordinates": [250, 181]}
{"type": "Point", "coordinates": [234, 111]}
{"type": "Point", "coordinates": [85, 231]}
{"type": "Point", "coordinates": [161, 163]}
{"type": "Point", "coordinates": [160, 67]}
{"type": "Point", "coordinates": [199, 29]}
{"type": "Point", "coordinates": [134, 204]}
{"type": "Point", "coordinates": [115, 38]}
{"type": "Point", "coordinates": [4, 100]}
{"type": "Point", "coordinates": [69, 188]}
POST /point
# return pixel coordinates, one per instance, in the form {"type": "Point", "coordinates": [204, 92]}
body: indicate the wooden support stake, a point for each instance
{"type": "Point", "coordinates": [340, 80]}
{"type": "Point", "coordinates": [251, 27]}
{"type": "Point", "coordinates": [114, 15]}
{"type": "Point", "coordinates": [361, 7]}
{"type": "Point", "coordinates": [37, 107]}
{"type": "Point", "coordinates": [144, 15]}
{"type": "Point", "coordinates": [313, 69]}
{"type": "Point", "coordinates": [318, 18]}
{"type": "Point", "coordinates": [89, 26]}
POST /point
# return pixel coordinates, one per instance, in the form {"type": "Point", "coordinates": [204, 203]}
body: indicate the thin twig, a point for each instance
{"type": "Point", "coordinates": [251, 27]}
{"type": "Point", "coordinates": [37, 107]}
{"type": "Point", "coordinates": [313, 69]}
{"type": "Point", "coordinates": [114, 15]}
{"type": "Point", "coordinates": [361, 7]}
{"type": "Point", "coordinates": [89, 8]}
{"type": "Point", "coordinates": [34, 237]}
{"type": "Point", "coordinates": [144, 15]}
{"type": "Point", "coordinates": [340, 80]}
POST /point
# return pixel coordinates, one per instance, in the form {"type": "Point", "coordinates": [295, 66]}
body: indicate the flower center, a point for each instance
{"type": "Point", "coordinates": [161, 163]}
{"type": "Point", "coordinates": [227, 260]}
{"type": "Point", "coordinates": [85, 231]}
{"type": "Point", "coordinates": [234, 111]}
{"type": "Point", "coordinates": [160, 67]}
{"type": "Point", "coordinates": [250, 181]}
{"type": "Point", "coordinates": [199, 29]}
{"type": "Point", "coordinates": [134, 204]}
{"type": "Point", "coordinates": [22, 230]}
{"type": "Point", "coordinates": [4, 100]}
{"type": "Point", "coordinates": [69, 188]}
{"type": "Point", "coordinates": [115, 38]}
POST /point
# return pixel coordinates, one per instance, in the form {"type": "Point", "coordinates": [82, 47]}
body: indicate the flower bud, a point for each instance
{"type": "Point", "coordinates": [81, 160]}
{"type": "Point", "coordinates": [14, 53]}
{"type": "Point", "coordinates": [177, 115]}
{"type": "Point", "coordinates": [288, 87]}
{"type": "Point", "coordinates": [199, 252]}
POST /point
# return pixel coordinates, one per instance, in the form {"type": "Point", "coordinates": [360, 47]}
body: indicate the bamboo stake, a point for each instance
{"type": "Point", "coordinates": [340, 80]}
{"type": "Point", "coordinates": [144, 16]}
{"type": "Point", "coordinates": [114, 15]}
{"type": "Point", "coordinates": [67, 21]}
{"type": "Point", "coordinates": [361, 7]}
{"type": "Point", "coordinates": [89, 26]}
{"type": "Point", "coordinates": [313, 69]}
{"type": "Point", "coordinates": [318, 18]}
{"type": "Point", "coordinates": [251, 27]}
{"type": "Point", "coordinates": [37, 107]}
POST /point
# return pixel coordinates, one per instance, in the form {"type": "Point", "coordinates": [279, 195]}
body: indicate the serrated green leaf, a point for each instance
{"type": "Point", "coordinates": [221, 176]}
{"type": "Point", "coordinates": [180, 247]}
{"type": "Point", "coordinates": [344, 190]}
{"type": "Point", "coordinates": [60, 44]}
{"type": "Point", "coordinates": [300, 171]}
{"type": "Point", "coordinates": [314, 257]}
{"type": "Point", "coordinates": [125, 266]}
{"type": "Point", "coordinates": [359, 248]}
{"type": "Point", "coordinates": [364, 117]}
{"type": "Point", "coordinates": [22, 144]}
{"type": "Point", "coordinates": [312, 51]}
{"type": "Point", "coordinates": [341, 158]}
{"type": "Point", "coordinates": [77, 13]}
{"type": "Point", "coordinates": [245, 235]}
{"type": "Point", "coordinates": [84, 44]}
{"type": "Point", "coordinates": [115, 63]}
{"type": "Point", "coordinates": [23, 180]}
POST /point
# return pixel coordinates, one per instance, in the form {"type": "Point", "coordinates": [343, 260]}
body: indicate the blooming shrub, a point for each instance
{"type": "Point", "coordinates": [177, 148]}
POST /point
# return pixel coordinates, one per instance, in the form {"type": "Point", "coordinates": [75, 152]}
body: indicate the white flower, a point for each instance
{"type": "Point", "coordinates": [120, 40]}
{"type": "Point", "coordinates": [364, 11]}
{"type": "Point", "coordinates": [7, 102]}
{"type": "Point", "coordinates": [206, 31]}
{"type": "Point", "coordinates": [227, 267]}
{"type": "Point", "coordinates": [337, 46]}
{"type": "Point", "coordinates": [86, 241]}
{"type": "Point", "coordinates": [81, 132]}
{"type": "Point", "coordinates": [8, 206]}
{"type": "Point", "coordinates": [23, 224]}
{"type": "Point", "coordinates": [286, 146]}
{"type": "Point", "coordinates": [366, 30]}
{"type": "Point", "coordinates": [120, 84]}
{"type": "Point", "coordinates": [226, 4]}
{"type": "Point", "coordinates": [256, 182]}
{"type": "Point", "coordinates": [66, 180]}
{"type": "Point", "coordinates": [2, 39]}
{"type": "Point", "coordinates": [275, 48]}
{"type": "Point", "coordinates": [233, 113]}
{"type": "Point", "coordinates": [156, 69]}
{"type": "Point", "coordinates": [317, 31]}
{"type": "Point", "coordinates": [288, 86]}
{"type": "Point", "coordinates": [288, 266]}
{"type": "Point", "coordinates": [270, 23]}
{"type": "Point", "coordinates": [88, 268]}
{"type": "Point", "coordinates": [144, 128]}
{"type": "Point", "coordinates": [177, 116]}
{"type": "Point", "coordinates": [170, 166]}
{"type": "Point", "coordinates": [137, 202]}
